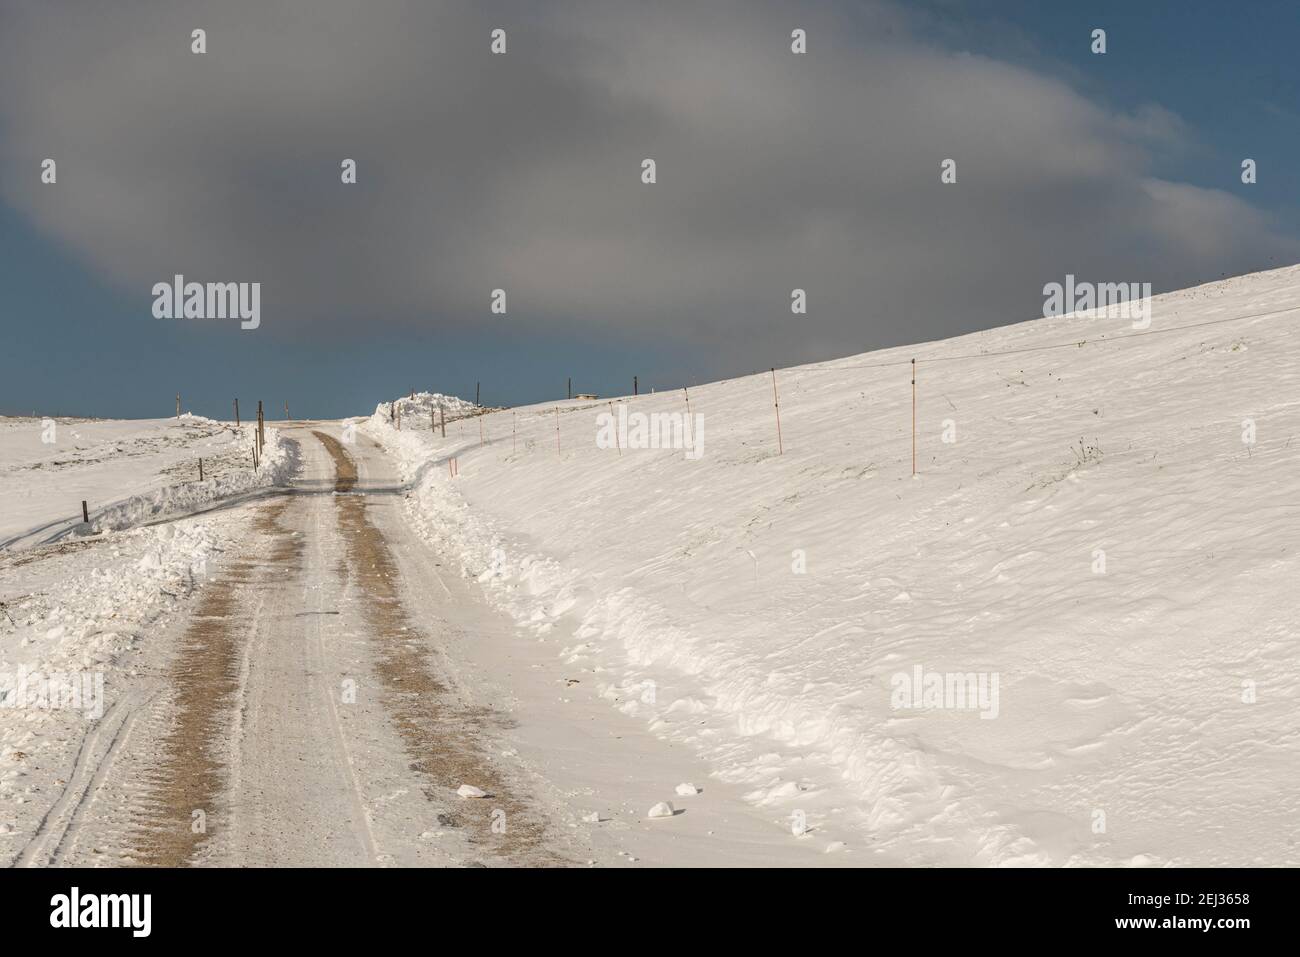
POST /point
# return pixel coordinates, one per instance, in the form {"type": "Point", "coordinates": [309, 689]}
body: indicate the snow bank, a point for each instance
{"type": "Point", "coordinates": [1098, 546]}
{"type": "Point", "coordinates": [420, 410]}
{"type": "Point", "coordinates": [65, 622]}
{"type": "Point", "coordinates": [275, 466]}
{"type": "Point", "coordinates": [94, 605]}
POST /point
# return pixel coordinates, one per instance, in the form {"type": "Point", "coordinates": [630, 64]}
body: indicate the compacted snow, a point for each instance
{"type": "Point", "coordinates": [1069, 639]}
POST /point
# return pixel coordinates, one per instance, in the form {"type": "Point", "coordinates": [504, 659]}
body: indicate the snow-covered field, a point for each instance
{"type": "Point", "coordinates": [126, 471]}
{"type": "Point", "coordinates": [1100, 546]}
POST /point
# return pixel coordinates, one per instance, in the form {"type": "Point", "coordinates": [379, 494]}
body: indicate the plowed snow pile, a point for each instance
{"type": "Point", "coordinates": [422, 410]}
{"type": "Point", "coordinates": [1071, 639]}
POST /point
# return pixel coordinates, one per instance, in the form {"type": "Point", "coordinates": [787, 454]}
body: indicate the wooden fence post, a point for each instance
{"type": "Point", "coordinates": [85, 515]}
{"type": "Point", "coordinates": [690, 426]}
{"type": "Point", "coordinates": [776, 405]}
{"type": "Point", "coordinates": [442, 416]}
{"type": "Point", "coordinates": [178, 405]}
{"type": "Point", "coordinates": [913, 418]}
{"type": "Point", "coordinates": [236, 413]}
{"type": "Point", "coordinates": [200, 470]}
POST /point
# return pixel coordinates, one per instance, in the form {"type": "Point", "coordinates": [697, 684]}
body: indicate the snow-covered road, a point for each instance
{"type": "Point", "coordinates": [274, 723]}
{"type": "Point", "coordinates": [321, 698]}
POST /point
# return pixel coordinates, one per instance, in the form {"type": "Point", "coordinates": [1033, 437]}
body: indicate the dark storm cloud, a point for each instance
{"type": "Point", "coordinates": [522, 171]}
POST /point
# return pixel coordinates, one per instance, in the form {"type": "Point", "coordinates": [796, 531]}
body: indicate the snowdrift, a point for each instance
{"type": "Point", "coordinates": [422, 409]}
{"type": "Point", "coordinates": [275, 465]}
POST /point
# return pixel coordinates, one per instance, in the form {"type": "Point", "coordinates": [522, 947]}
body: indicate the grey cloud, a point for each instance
{"type": "Point", "coordinates": [775, 171]}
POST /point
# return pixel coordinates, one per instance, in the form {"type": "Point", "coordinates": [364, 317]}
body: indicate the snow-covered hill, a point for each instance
{"type": "Point", "coordinates": [1100, 545]}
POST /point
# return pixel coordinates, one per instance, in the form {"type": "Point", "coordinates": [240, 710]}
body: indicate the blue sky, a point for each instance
{"type": "Point", "coordinates": [79, 338]}
{"type": "Point", "coordinates": [1229, 70]}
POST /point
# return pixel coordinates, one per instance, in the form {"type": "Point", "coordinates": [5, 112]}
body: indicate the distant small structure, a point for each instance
{"type": "Point", "coordinates": [586, 395]}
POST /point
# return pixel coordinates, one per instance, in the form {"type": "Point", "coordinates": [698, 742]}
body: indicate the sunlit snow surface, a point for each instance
{"type": "Point", "coordinates": [758, 607]}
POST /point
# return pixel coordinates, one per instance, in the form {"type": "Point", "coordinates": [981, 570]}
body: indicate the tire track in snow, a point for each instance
{"type": "Point", "coordinates": [442, 738]}
{"type": "Point", "coordinates": [206, 681]}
